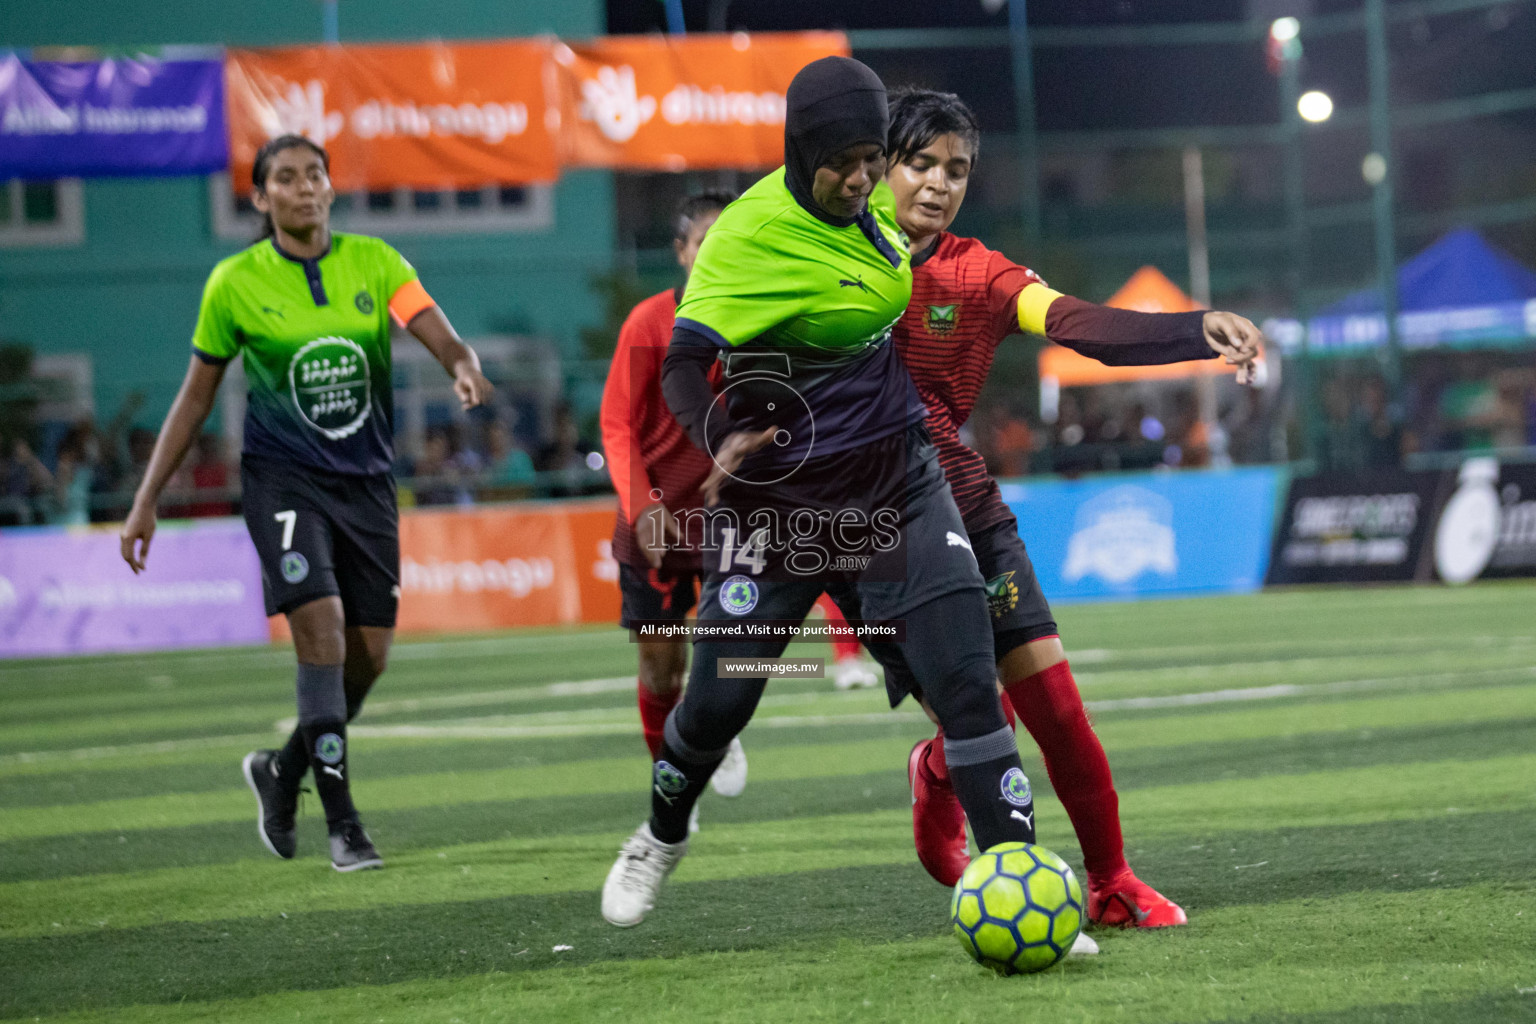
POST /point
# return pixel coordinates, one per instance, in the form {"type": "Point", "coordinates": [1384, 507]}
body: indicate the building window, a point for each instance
{"type": "Point", "coordinates": [492, 209]}
{"type": "Point", "coordinates": [41, 213]}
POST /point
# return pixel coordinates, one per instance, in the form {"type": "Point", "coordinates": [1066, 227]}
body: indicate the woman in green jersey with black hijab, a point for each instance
{"type": "Point", "coordinates": [309, 312]}
{"type": "Point", "coordinates": [824, 478]}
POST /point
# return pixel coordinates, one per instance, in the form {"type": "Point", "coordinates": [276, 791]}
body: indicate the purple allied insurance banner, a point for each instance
{"type": "Point", "coordinates": [139, 116]}
{"type": "Point", "coordinates": [66, 590]}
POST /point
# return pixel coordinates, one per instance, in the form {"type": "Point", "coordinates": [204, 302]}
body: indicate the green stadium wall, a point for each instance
{"type": "Point", "coordinates": [128, 295]}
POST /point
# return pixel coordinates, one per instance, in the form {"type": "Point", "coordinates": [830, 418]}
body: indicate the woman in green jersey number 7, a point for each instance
{"type": "Point", "coordinates": [309, 312]}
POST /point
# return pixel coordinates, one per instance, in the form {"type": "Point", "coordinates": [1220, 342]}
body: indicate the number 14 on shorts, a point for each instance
{"type": "Point", "coordinates": [751, 554]}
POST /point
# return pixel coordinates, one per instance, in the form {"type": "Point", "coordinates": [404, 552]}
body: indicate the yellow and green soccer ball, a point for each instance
{"type": "Point", "coordinates": [1018, 908]}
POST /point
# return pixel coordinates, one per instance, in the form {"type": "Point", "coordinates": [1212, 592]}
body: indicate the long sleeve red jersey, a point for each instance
{"type": "Point", "coordinates": [965, 301]}
{"type": "Point", "coordinates": [650, 458]}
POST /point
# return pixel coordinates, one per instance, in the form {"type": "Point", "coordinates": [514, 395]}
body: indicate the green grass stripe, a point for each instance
{"type": "Point", "coordinates": [825, 962]}
{"type": "Point", "coordinates": [1231, 723]}
{"type": "Point", "coordinates": [570, 779]}
{"type": "Point", "coordinates": [1205, 812]}
{"type": "Point", "coordinates": [163, 811]}
{"type": "Point", "coordinates": [141, 770]}
{"type": "Point", "coordinates": [439, 825]}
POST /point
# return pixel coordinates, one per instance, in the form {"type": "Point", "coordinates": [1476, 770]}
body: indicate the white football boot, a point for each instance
{"type": "Point", "coordinates": [635, 879]}
{"type": "Point", "coordinates": [1083, 946]}
{"type": "Point", "coordinates": [731, 777]}
{"type": "Point", "coordinates": [854, 674]}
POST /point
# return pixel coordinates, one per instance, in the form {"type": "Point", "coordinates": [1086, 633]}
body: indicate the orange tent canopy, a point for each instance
{"type": "Point", "coordinates": [1147, 291]}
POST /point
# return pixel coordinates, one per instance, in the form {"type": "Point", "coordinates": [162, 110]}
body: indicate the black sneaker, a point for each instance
{"type": "Point", "coordinates": [352, 850]}
{"type": "Point", "coordinates": [275, 805]}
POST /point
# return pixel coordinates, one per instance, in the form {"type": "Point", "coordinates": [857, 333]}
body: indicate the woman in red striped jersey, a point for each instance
{"type": "Point", "coordinates": [965, 300]}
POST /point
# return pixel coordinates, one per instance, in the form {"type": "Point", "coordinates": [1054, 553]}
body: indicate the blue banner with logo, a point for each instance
{"type": "Point", "coordinates": [1148, 534]}
{"type": "Point", "coordinates": [139, 116]}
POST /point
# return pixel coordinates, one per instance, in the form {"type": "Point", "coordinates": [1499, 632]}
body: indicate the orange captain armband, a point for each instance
{"type": "Point", "coordinates": [1034, 302]}
{"type": "Point", "coordinates": [409, 299]}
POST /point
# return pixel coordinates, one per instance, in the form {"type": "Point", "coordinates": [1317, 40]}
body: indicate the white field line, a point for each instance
{"type": "Point", "coordinates": [264, 655]}
{"type": "Point", "coordinates": [470, 729]}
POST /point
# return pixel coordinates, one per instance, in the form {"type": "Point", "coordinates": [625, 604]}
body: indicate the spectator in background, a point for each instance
{"type": "Point", "coordinates": [73, 475]}
{"type": "Point", "coordinates": [440, 473]}
{"type": "Point", "coordinates": [1012, 443]}
{"type": "Point", "coordinates": [23, 480]}
{"type": "Point", "coordinates": [1379, 440]}
{"type": "Point", "coordinates": [210, 478]}
{"type": "Point", "coordinates": [564, 460]}
{"type": "Point", "coordinates": [509, 469]}
{"type": "Point", "coordinates": [1191, 445]}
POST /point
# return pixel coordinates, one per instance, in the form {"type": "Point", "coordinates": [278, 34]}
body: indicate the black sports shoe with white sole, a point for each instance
{"type": "Point", "coordinates": [352, 850]}
{"type": "Point", "coordinates": [275, 805]}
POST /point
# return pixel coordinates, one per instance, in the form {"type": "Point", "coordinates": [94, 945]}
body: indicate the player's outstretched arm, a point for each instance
{"type": "Point", "coordinates": [182, 425]}
{"type": "Point", "coordinates": [433, 330]}
{"type": "Point", "coordinates": [1126, 337]}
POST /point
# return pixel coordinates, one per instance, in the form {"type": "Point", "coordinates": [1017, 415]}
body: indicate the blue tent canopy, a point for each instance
{"type": "Point", "coordinates": [1460, 269]}
{"type": "Point", "coordinates": [1461, 292]}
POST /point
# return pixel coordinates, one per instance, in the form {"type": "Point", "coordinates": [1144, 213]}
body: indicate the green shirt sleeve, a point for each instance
{"type": "Point", "coordinates": [740, 287]}
{"type": "Point", "coordinates": [215, 333]}
{"type": "Point", "coordinates": [396, 269]}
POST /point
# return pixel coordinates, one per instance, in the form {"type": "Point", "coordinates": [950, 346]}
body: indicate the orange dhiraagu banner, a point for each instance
{"type": "Point", "coordinates": [672, 103]}
{"type": "Point", "coordinates": [464, 570]}
{"type": "Point", "coordinates": [428, 116]}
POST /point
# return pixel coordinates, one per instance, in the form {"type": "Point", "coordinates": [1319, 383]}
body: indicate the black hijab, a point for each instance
{"type": "Point", "coordinates": [833, 103]}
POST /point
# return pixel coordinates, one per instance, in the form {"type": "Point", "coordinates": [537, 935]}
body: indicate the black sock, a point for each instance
{"type": "Point", "coordinates": [991, 785]}
{"type": "Point", "coordinates": [293, 761]}
{"type": "Point", "coordinates": [676, 785]}
{"type": "Point", "coordinates": [327, 742]}
{"type": "Point", "coordinates": [323, 724]}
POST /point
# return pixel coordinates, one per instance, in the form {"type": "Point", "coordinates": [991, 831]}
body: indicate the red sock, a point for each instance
{"type": "Point", "coordinates": [842, 649]}
{"type": "Point", "coordinates": [654, 709]}
{"type": "Point", "coordinates": [1008, 712]}
{"type": "Point", "coordinates": [1053, 712]}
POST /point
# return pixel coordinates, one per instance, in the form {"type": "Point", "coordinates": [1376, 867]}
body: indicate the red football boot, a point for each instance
{"type": "Point", "coordinates": [1125, 901]}
{"type": "Point", "coordinates": [938, 823]}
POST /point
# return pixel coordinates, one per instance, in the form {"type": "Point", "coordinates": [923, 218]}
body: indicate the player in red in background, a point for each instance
{"type": "Point", "coordinates": [657, 471]}
{"type": "Point", "coordinates": [965, 300]}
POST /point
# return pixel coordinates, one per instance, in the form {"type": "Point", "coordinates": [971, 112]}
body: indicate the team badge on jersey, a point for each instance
{"type": "Point", "coordinates": [943, 319]}
{"type": "Point", "coordinates": [364, 302]}
{"type": "Point", "coordinates": [294, 567]}
{"type": "Point", "coordinates": [328, 379]}
{"type": "Point", "coordinates": [1002, 594]}
{"type": "Point", "coordinates": [1016, 788]}
{"type": "Point", "coordinates": [738, 595]}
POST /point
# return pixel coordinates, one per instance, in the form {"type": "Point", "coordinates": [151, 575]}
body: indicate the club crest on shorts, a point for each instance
{"type": "Point", "coordinates": [943, 319]}
{"type": "Point", "coordinates": [1002, 594]}
{"type": "Point", "coordinates": [738, 595]}
{"type": "Point", "coordinates": [330, 748]}
{"type": "Point", "coordinates": [1016, 788]}
{"type": "Point", "coordinates": [669, 781]}
{"type": "Point", "coordinates": [294, 567]}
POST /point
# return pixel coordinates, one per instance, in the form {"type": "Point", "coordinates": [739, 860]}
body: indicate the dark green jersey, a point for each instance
{"type": "Point", "coordinates": [314, 337]}
{"type": "Point", "coordinates": [793, 300]}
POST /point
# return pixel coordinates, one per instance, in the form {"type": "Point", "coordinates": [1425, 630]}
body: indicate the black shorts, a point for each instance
{"type": "Point", "coordinates": [655, 595]}
{"type": "Point", "coordinates": [1018, 609]}
{"type": "Point", "coordinates": [922, 552]}
{"type": "Point", "coordinates": [1020, 612]}
{"type": "Point", "coordinates": [324, 535]}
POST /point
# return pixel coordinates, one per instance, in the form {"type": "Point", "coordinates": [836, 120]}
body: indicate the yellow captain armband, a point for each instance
{"type": "Point", "coordinates": [1034, 301]}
